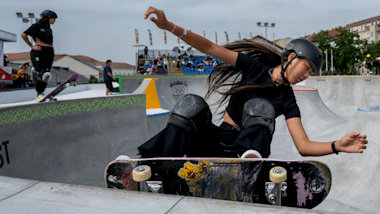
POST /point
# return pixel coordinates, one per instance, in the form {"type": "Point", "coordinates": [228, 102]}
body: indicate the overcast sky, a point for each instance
{"type": "Point", "coordinates": [105, 29]}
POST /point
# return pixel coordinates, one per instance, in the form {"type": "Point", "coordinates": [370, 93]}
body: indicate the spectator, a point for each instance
{"type": "Point", "coordinates": [165, 61]}
{"type": "Point", "coordinates": [179, 59]}
{"type": "Point", "coordinates": [34, 75]}
{"type": "Point", "coordinates": [6, 60]}
{"type": "Point", "coordinates": [108, 77]}
{"type": "Point", "coordinates": [42, 54]}
{"type": "Point", "coordinates": [146, 52]}
{"type": "Point", "coordinates": [147, 63]}
{"type": "Point", "coordinates": [368, 62]}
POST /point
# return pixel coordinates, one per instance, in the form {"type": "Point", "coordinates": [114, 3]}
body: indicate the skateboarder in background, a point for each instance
{"type": "Point", "coordinates": [262, 94]}
{"type": "Point", "coordinates": [368, 62]}
{"type": "Point", "coordinates": [42, 54]}
{"type": "Point", "coordinates": [108, 77]}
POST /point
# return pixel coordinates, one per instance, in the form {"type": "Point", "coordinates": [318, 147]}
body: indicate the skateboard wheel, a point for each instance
{"type": "Point", "coordinates": [141, 173]}
{"type": "Point", "coordinates": [75, 84]}
{"type": "Point", "coordinates": [278, 174]}
{"type": "Point", "coordinates": [47, 100]}
{"type": "Point", "coordinates": [67, 84]}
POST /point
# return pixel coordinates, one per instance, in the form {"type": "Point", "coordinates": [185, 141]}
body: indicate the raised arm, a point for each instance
{"type": "Point", "coordinates": [351, 143]}
{"type": "Point", "coordinates": [194, 40]}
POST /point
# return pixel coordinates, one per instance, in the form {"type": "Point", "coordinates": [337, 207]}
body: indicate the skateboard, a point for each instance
{"type": "Point", "coordinates": [70, 81]}
{"type": "Point", "coordinates": [291, 183]}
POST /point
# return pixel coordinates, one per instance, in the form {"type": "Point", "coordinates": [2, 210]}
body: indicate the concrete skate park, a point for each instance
{"type": "Point", "coordinates": [53, 155]}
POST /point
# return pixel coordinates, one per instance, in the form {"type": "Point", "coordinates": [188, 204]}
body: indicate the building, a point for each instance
{"type": "Point", "coordinates": [283, 42]}
{"type": "Point", "coordinates": [83, 65]}
{"type": "Point", "coordinates": [368, 29]}
{"type": "Point", "coordinates": [331, 33]}
{"type": "Point", "coordinates": [5, 78]}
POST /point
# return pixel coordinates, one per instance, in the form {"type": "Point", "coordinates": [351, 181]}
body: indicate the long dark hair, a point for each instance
{"type": "Point", "coordinates": [228, 76]}
{"type": "Point", "coordinates": [45, 21]}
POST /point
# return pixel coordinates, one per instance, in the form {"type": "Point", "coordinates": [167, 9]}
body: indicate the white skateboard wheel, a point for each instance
{"type": "Point", "coordinates": [277, 174]}
{"type": "Point", "coordinates": [67, 84]}
{"type": "Point", "coordinates": [141, 173]}
{"type": "Point", "coordinates": [47, 100]}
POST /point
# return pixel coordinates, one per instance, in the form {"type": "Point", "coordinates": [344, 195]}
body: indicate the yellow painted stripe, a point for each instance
{"type": "Point", "coordinates": [152, 101]}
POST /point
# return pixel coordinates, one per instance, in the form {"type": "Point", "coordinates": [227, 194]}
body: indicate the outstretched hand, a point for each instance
{"type": "Point", "coordinates": [353, 143]}
{"type": "Point", "coordinates": [160, 21]}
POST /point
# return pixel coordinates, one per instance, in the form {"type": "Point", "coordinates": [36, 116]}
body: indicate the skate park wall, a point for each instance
{"type": "Point", "coordinates": [72, 141]}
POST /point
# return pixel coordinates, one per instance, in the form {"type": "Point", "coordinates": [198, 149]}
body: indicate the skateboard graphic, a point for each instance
{"type": "Point", "coordinates": [70, 81]}
{"type": "Point", "coordinates": [292, 183]}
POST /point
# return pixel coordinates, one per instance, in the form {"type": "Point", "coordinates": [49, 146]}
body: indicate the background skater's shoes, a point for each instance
{"type": "Point", "coordinates": [251, 154]}
{"type": "Point", "coordinates": [122, 157]}
{"type": "Point", "coordinates": [40, 97]}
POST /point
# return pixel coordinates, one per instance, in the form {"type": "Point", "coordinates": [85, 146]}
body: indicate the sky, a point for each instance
{"type": "Point", "coordinates": [105, 29]}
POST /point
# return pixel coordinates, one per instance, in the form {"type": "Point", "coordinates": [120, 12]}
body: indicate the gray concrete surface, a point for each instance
{"type": "Point", "coordinates": [324, 116]}
{"type": "Point", "coordinates": [27, 196]}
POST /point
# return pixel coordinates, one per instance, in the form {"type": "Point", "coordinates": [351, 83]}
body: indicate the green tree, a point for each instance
{"type": "Point", "coordinates": [348, 51]}
{"type": "Point", "coordinates": [323, 41]}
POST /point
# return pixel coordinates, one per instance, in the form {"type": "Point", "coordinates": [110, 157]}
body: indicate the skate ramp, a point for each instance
{"type": "Point", "coordinates": [344, 94]}
{"type": "Point", "coordinates": [355, 186]}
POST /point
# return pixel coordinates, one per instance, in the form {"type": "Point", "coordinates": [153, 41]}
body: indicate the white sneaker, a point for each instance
{"type": "Point", "coordinates": [122, 157]}
{"type": "Point", "coordinates": [251, 154]}
{"type": "Point", "coordinates": [40, 97]}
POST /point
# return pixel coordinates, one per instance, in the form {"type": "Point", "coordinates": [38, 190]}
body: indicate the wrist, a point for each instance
{"type": "Point", "coordinates": [335, 147]}
{"type": "Point", "coordinates": [170, 27]}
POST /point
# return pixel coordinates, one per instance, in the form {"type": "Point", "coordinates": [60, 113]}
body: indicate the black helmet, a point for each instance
{"type": "Point", "coordinates": [303, 49]}
{"type": "Point", "coordinates": [48, 14]}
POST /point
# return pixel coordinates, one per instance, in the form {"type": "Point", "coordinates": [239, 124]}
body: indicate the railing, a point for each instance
{"type": "Point", "coordinates": [151, 54]}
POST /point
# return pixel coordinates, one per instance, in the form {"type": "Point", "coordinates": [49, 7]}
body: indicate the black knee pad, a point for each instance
{"type": "Point", "coordinates": [258, 111]}
{"type": "Point", "coordinates": [190, 113]}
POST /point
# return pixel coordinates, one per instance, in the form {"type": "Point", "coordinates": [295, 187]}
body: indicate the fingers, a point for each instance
{"type": "Point", "coordinates": [150, 11]}
{"type": "Point", "coordinates": [153, 19]}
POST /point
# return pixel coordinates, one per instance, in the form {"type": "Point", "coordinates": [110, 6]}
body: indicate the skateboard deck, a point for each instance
{"type": "Point", "coordinates": [307, 182]}
{"type": "Point", "coordinates": [70, 81]}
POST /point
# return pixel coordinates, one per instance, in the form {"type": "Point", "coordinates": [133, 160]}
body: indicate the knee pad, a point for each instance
{"type": "Point", "coordinates": [190, 113]}
{"type": "Point", "coordinates": [44, 76]}
{"type": "Point", "coordinates": [258, 111]}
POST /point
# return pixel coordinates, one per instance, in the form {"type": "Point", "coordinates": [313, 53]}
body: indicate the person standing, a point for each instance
{"type": "Point", "coordinates": [368, 62]}
{"type": "Point", "coordinates": [108, 77]}
{"type": "Point", "coordinates": [42, 53]}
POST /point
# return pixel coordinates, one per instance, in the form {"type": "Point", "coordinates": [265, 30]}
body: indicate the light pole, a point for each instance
{"type": "Point", "coordinates": [266, 25]}
{"type": "Point", "coordinates": [26, 19]}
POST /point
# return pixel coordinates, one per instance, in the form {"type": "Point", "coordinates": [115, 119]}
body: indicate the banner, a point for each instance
{"type": "Point", "coordinates": [137, 36]}
{"type": "Point", "coordinates": [204, 34]}
{"type": "Point", "coordinates": [225, 32]}
{"type": "Point", "coordinates": [216, 38]}
{"type": "Point", "coordinates": [150, 37]}
{"type": "Point", "coordinates": [239, 36]}
{"type": "Point", "coordinates": [251, 36]}
{"type": "Point", "coordinates": [165, 39]}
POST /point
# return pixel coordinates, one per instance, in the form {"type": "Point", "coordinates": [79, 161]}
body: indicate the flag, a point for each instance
{"type": "Point", "coordinates": [165, 39]}
{"type": "Point", "coordinates": [150, 37]}
{"type": "Point", "coordinates": [225, 32]}
{"type": "Point", "coordinates": [204, 34]}
{"type": "Point", "coordinates": [239, 36]}
{"type": "Point", "coordinates": [137, 36]}
{"type": "Point", "coordinates": [216, 38]}
{"type": "Point", "coordinates": [251, 36]}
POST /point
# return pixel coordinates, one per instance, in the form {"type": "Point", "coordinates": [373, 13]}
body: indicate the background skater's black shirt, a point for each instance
{"type": "Point", "coordinates": [255, 72]}
{"type": "Point", "coordinates": [43, 32]}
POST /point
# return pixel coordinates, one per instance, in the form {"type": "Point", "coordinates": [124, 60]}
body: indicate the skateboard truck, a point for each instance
{"type": "Point", "coordinates": [141, 174]}
{"type": "Point", "coordinates": [276, 189]}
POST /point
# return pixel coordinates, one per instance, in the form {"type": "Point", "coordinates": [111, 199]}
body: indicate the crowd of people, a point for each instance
{"type": "Point", "coordinates": [188, 64]}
